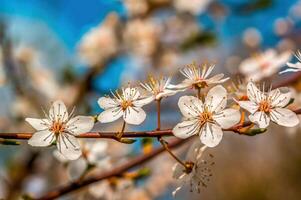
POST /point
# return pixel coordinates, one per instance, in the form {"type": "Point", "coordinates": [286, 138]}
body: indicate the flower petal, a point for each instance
{"type": "Point", "coordinates": [254, 94]}
{"type": "Point", "coordinates": [260, 118]}
{"type": "Point", "coordinates": [182, 86]}
{"type": "Point", "coordinates": [107, 102]}
{"type": "Point", "coordinates": [211, 134]}
{"type": "Point", "coordinates": [166, 93]}
{"type": "Point", "coordinates": [76, 168]}
{"type": "Point", "coordinates": [131, 93]}
{"type": "Point", "coordinates": [178, 171]}
{"type": "Point", "coordinates": [186, 129]}
{"type": "Point", "coordinates": [227, 118]}
{"type": "Point", "coordinates": [280, 99]}
{"type": "Point", "coordinates": [216, 99]}
{"type": "Point", "coordinates": [68, 146]}
{"type": "Point", "coordinates": [80, 124]}
{"type": "Point", "coordinates": [110, 115]}
{"type": "Point", "coordinates": [134, 115]}
{"type": "Point", "coordinates": [38, 124]}
{"type": "Point", "coordinates": [58, 111]}
{"type": "Point", "coordinates": [41, 138]}
{"type": "Point", "coordinates": [143, 101]}
{"type": "Point", "coordinates": [250, 106]}
{"type": "Point", "coordinates": [284, 117]}
{"type": "Point", "coordinates": [217, 79]}
{"type": "Point", "coordinates": [190, 106]}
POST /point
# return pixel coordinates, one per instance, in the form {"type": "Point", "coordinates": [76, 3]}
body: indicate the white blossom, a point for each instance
{"type": "Point", "coordinates": [61, 127]}
{"type": "Point", "coordinates": [266, 106]}
{"type": "Point", "coordinates": [198, 77]}
{"type": "Point", "coordinates": [198, 175]}
{"type": "Point", "coordinates": [206, 119]}
{"type": "Point", "coordinates": [263, 65]}
{"type": "Point", "coordinates": [294, 67]}
{"type": "Point", "coordinates": [126, 104]}
{"type": "Point", "coordinates": [141, 36]}
{"type": "Point", "coordinates": [99, 43]}
{"type": "Point", "coordinates": [158, 88]}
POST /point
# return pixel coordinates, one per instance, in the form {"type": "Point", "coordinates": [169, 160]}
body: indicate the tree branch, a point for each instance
{"type": "Point", "coordinates": [118, 171]}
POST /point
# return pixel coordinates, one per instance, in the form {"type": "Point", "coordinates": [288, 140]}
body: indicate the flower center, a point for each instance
{"type": "Point", "coordinates": [126, 104]}
{"type": "Point", "coordinates": [201, 83]}
{"type": "Point", "coordinates": [265, 106]}
{"type": "Point", "coordinates": [58, 127]}
{"type": "Point", "coordinates": [189, 167]}
{"type": "Point", "coordinates": [205, 117]}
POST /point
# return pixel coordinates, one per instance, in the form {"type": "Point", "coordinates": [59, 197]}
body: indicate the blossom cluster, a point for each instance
{"type": "Point", "coordinates": [208, 114]}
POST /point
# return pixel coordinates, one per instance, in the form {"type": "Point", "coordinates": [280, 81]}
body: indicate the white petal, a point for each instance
{"type": "Point", "coordinates": [134, 115]}
{"type": "Point", "coordinates": [217, 79]}
{"type": "Point", "coordinates": [59, 156]}
{"type": "Point", "coordinates": [280, 99]}
{"type": "Point", "coordinates": [250, 106]}
{"type": "Point", "coordinates": [166, 93]}
{"type": "Point", "coordinates": [297, 65]}
{"type": "Point", "coordinates": [38, 124]}
{"type": "Point", "coordinates": [261, 119]}
{"type": "Point", "coordinates": [227, 118]}
{"type": "Point", "coordinates": [58, 111]}
{"type": "Point", "coordinates": [110, 115]}
{"type": "Point", "coordinates": [182, 86]}
{"type": "Point", "coordinates": [174, 193]}
{"type": "Point", "coordinates": [178, 171]}
{"type": "Point", "coordinates": [195, 150]}
{"type": "Point", "coordinates": [76, 168]}
{"type": "Point", "coordinates": [211, 134]}
{"type": "Point", "coordinates": [186, 129]}
{"type": "Point", "coordinates": [106, 102]}
{"type": "Point", "coordinates": [41, 139]}
{"type": "Point", "coordinates": [254, 94]}
{"type": "Point", "coordinates": [249, 66]}
{"type": "Point", "coordinates": [131, 93]}
{"type": "Point", "coordinates": [143, 101]}
{"type": "Point", "coordinates": [80, 124]}
{"type": "Point", "coordinates": [208, 72]}
{"type": "Point", "coordinates": [216, 99]}
{"type": "Point", "coordinates": [284, 117]}
{"type": "Point", "coordinates": [68, 146]}
{"type": "Point", "coordinates": [190, 106]}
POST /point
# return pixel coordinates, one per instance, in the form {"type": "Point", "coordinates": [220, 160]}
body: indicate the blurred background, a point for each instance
{"type": "Point", "coordinates": [80, 50]}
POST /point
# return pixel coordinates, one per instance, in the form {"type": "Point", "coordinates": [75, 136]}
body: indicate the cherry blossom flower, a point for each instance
{"type": "Point", "coordinates": [95, 153]}
{"type": "Point", "coordinates": [126, 104]}
{"type": "Point", "coordinates": [206, 119]}
{"type": "Point", "coordinates": [99, 43]}
{"type": "Point", "coordinates": [158, 88]}
{"type": "Point", "coordinates": [198, 77]}
{"type": "Point", "coordinates": [199, 174]}
{"type": "Point", "coordinates": [266, 106]}
{"type": "Point", "coordinates": [294, 67]}
{"type": "Point", "coordinates": [263, 65]}
{"type": "Point", "coordinates": [141, 36]}
{"type": "Point", "coordinates": [61, 127]}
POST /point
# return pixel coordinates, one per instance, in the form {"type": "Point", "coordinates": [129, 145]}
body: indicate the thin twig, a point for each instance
{"type": "Point", "coordinates": [165, 145]}
{"type": "Point", "coordinates": [158, 114]}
